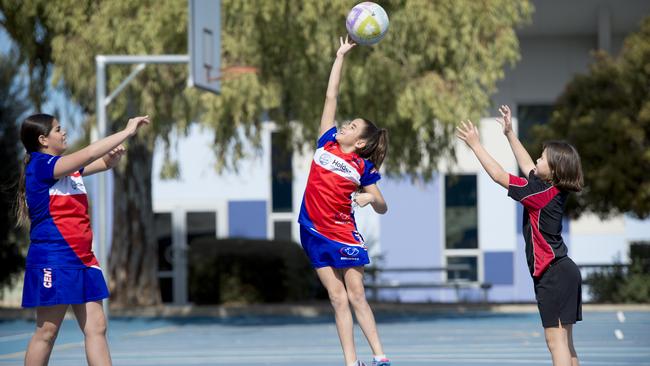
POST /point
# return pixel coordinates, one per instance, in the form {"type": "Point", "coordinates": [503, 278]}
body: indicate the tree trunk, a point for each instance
{"type": "Point", "coordinates": [133, 262]}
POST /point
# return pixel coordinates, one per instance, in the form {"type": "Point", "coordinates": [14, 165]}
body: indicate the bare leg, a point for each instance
{"type": "Point", "coordinates": [92, 322]}
{"type": "Point", "coordinates": [357, 295]}
{"type": "Point", "coordinates": [557, 341]}
{"type": "Point", "coordinates": [574, 355]}
{"type": "Point", "coordinates": [335, 287]}
{"type": "Point", "coordinates": [48, 322]}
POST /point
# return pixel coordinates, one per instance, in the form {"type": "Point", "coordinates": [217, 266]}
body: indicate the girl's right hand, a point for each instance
{"type": "Point", "coordinates": [345, 46]}
{"type": "Point", "coordinates": [135, 123]}
{"type": "Point", "coordinates": [506, 119]}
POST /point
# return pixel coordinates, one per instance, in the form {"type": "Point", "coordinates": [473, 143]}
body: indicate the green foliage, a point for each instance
{"type": "Point", "coordinates": [439, 63]}
{"type": "Point", "coordinates": [606, 115]}
{"type": "Point", "coordinates": [12, 107]}
{"type": "Point", "coordinates": [25, 22]}
{"type": "Point", "coordinates": [617, 285]}
{"type": "Point", "coordinates": [249, 271]}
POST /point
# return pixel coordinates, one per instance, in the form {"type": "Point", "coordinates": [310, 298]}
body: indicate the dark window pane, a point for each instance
{"type": "Point", "coordinates": [166, 289]}
{"type": "Point", "coordinates": [201, 224]}
{"type": "Point", "coordinates": [466, 268]}
{"type": "Point", "coordinates": [282, 173]}
{"type": "Point", "coordinates": [529, 115]}
{"type": "Point", "coordinates": [163, 232]}
{"type": "Point", "coordinates": [282, 230]}
{"type": "Point", "coordinates": [461, 222]}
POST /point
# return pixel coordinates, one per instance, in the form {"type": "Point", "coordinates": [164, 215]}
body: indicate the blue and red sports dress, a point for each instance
{"type": "Point", "coordinates": [328, 231]}
{"type": "Point", "coordinates": [61, 267]}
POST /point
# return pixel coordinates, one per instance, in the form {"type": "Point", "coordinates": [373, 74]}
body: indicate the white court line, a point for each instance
{"type": "Point", "coordinates": [21, 354]}
{"type": "Point", "coordinates": [15, 337]}
{"type": "Point", "coordinates": [151, 332]}
{"type": "Point", "coordinates": [65, 346]}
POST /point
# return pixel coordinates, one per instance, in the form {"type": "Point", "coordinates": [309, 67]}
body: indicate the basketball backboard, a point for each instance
{"type": "Point", "coordinates": [204, 43]}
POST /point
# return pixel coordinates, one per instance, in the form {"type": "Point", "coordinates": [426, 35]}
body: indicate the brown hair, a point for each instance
{"type": "Point", "coordinates": [564, 162]}
{"type": "Point", "coordinates": [31, 129]}
{"type": "Point", "coordinates": [376, 143]}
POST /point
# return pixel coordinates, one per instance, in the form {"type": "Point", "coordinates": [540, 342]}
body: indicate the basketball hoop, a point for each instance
{"type": "Point", "coordinates": [231, 72]}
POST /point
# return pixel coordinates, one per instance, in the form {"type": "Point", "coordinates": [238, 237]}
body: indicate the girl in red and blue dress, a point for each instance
{"type": "Point", "coordinates": [543, 193]}
{"type": "Point", "coordinates": [61, 269]}
{"type": "Point", "coordinates": [344, 172]}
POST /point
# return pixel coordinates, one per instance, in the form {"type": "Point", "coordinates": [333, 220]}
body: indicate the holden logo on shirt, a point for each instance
{"type": "Point", "coordinates": [325, 158]}
{"type": "Point", "coordinates": [349, 251]}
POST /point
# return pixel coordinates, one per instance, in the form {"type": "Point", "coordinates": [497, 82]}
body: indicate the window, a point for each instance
{"type": "Point", "coordinates": [461, 212]}
{"type": "Point", "coordinates": [200, 224]}
{"type": "Point", "coordinates": [163, 232]}
{"type": "Point", "coordinates": [529, 115]}
{"type": "Point", "coordinates": [281, 173]}
{"type": "Point", "coordinates": [461, 227]}
{"type": "Point", "coordinates": [459, 272]}
{"type": "Point", "coordinates": [282, 230]}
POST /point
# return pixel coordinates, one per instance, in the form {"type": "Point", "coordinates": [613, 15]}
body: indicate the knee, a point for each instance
{"type": "Point", "coordinates": [96, 328]}
{"type": "Point", "coordinates": [357, 297]}
{"type": "Point", "coordinates": [338, 298]}
{"type": "Point", "coordinates": [47, 333]}
{"type": "Point", "coordinates": [556, 341]}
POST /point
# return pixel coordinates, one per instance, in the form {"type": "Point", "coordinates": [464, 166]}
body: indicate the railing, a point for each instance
{"type": "Point", "coordinates": [455, 279]}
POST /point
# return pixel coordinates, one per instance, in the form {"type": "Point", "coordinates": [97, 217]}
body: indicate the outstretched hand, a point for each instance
{"type": "Point", "coordinates": [114, 156]}
{"type": "Point", "coordinates": [345, 46]}
{"type": "Point", "coordinates": [134, 124]}
{"type": "Point", "coordinates": [506, 119]}
{"type": "Point", "coordinates": [467, 132]}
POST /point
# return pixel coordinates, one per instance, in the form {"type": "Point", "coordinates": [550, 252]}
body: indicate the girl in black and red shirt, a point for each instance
{"type": "Point", "coordinates": [543, 193]}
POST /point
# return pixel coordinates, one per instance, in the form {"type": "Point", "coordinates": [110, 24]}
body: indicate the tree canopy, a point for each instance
{"type": "Point", "coordinates": [605, 114]}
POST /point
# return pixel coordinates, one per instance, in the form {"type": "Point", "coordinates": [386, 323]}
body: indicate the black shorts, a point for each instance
{"type": "Point", "coordinates": [559, 293]}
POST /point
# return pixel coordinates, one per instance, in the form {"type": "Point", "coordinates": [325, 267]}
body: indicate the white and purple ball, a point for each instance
{"type": "Point", "coordinates": [367, 23]}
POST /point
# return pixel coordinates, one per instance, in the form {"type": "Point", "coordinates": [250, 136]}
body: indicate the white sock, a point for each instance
{"type": "Point", "coordinates": [378, 357]}
{"type": "Point", "coordinates": [355, 363]}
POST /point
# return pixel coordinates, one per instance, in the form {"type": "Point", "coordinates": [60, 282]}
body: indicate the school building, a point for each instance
{"type": "Point", "coordinates": [460, 217]}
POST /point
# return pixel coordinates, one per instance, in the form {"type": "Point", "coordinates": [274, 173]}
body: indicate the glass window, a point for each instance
{"type": "Point", "coordinates": [163, 232]}
{"type": "Point", "coordinates": [201, 224]}
{"type": "Point", "coordinates": [282, 230]}
{"type": "Point", "coordinates": [166, 289]}
{"type": "Point", "coordinates": [464, 268]}
{"type": "Point", "coordinates": [282, 173]}
{"type": "Point", "coordinates": [529, 115]}
{"type": "Point", "coordinates": [461, 221]}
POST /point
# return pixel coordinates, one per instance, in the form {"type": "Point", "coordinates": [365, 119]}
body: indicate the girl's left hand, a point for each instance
{"type": "Point", "coordinates": [467, 132]}
{"type": "Point", "coordinates": [363, 199]}
{"type": "Point", "coordinates": [114, 156]}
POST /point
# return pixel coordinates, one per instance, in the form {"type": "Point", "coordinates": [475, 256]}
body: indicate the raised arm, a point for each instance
{"type": "Point", "coordinates": [68, 164]}
{"type": "Point", "coordinates": [469, 133]}
{"type": "Point", "coordinates": [329, 110]}
{"type": "Point", "coordinates": [524, 161]}
{"type": "Point", "coordinates": [106, 162]}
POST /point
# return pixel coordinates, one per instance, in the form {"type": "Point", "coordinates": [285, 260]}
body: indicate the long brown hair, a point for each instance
{"type": "Point", "coordinates": [564, 162]}
{"type": "Point", "coordinates": [31, 129]}
{"type": "Point", "coordinates": [376, 143]}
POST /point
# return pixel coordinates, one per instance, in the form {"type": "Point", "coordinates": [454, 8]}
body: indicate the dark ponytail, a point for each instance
{"type": "Point", "coordinates": [31, 129]}
{"type": "Point", "coordinates": [376, 143]}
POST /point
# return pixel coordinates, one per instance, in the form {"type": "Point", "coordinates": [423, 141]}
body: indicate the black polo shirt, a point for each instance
{"type": "Point", "coordinates": [543, 209]}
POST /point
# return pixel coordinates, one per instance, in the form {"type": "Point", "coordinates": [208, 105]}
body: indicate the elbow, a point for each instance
{"type": "Point", "coordinates": [382, 209]}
